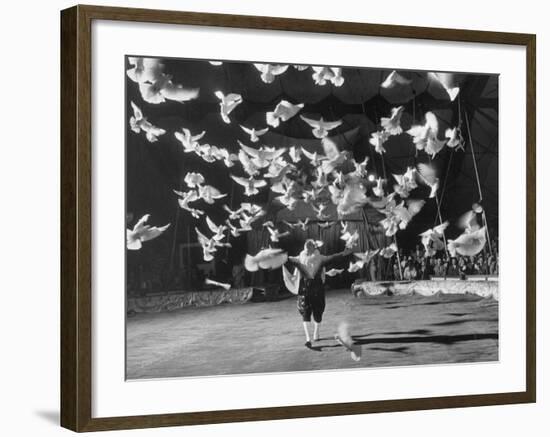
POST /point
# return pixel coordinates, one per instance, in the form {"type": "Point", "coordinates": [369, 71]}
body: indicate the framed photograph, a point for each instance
{"type": "Point", "coordinates": [268, 218]}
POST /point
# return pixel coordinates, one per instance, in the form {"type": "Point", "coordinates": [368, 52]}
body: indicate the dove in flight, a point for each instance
{"type": "Point", "coordinates": [139, 123]}
{"type": "Point", "coordinates": [378, 190]}
{"type": "Point", "coordinates": [378, 139]}
{"type": "Point", "coordinates": [270, 71]}
{"type": "Point", "coordinates": [250, 185]}
{"type": "Point", "coordinates": [405, 182]}
{"type": "Point", "coordinates": [266, 259]}
{"type": "Point", "coordinates": [292, 280]}
{"type": "Point", "coordinates": [144, 69]}
{"type": "Point", "coordinates": [189, 142]}
{"type": "Point", "coordinates": [432, 239]}
{"type": "Point", "coordinates": [253, 133]}
{"type": "Point", "coordinates": [366, 257]}
{"type": "Point", "coordinates": [275, 235]}
{"type": "Point", "coordinates": [392, 125]}
{"type": "Point", "coordinates": [217, 284]}
{"type": "Point", "coordinates": [333, 272]}
{"type": "Point", "coordinates": [210, 194]}
{"type": "Point", "coordinates": [143, 232]}
{"type": "Point", "coordinates": [344, 337]}
{"type": "Point", "coordinates": [428, 175]}
{"type": "Point", "coordinates": [425, 136]}
{"type": "Point", "coordinates": [389, 251]}
{"type": "Point", "coordinates": [468, 244]}
{"type": "Point", "coordinates": [447, 81]}
{"type": "Point", "coordinates": [468, 221]}
{"type": "Point", "coordinates": [454, 138]}
{"type": "Point", "coordinates": [323, 75]}
{"type": "Point", "coordinates": [218, 231]}
{"type": "Point", "coordinates": [164, 89]}
{"type": "Point", "coordinates": [248, 166]}
{"type": "Point", "coordinates": [295, 154]}
{"type": "Point", "coordinates": [355, 266]}
{"type": "Point", "coordinates": [351, 239]}
{"type": "Point", "coordinates": [208, 246]}
{"type": "Point", "coordinates": [186, 198]}
{"type": "Point", "coordinates": [193, 179]}
{"type": "Point", "coordinates": [284, 111]}
{"type": "Point", "coordinates": [394, 79]}
{"type": "Point", "coordinates": [321, 127]}
{"type": "Point", "coordinates": [227, 104]}
{"type": "Point", "coordinates": [263, 156]}
{"type": "Point", "coordinates": [352, 200]}
{"type": "Point", "coordinates": [302, 224]}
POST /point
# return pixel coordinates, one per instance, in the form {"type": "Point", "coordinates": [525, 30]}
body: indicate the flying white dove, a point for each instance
{"type": "Point", "coordinates": [275, 234]}
{"type": "Point", "coordinates": [447, 81]}
{"type": "Point", "coordinates": [454, 138]}
{"type": "Point", "coordinates": [378, 190]}
{"type": "Point", "coordinates": [270, 71]}
{"type": "Point", "coordinates": [333, 272]}
{"type": "Point", "coordinates": [139, 123]}
{"type": "Point", "coordinates": [295, 154]}
{"type": "Point", "coordinates": [210, 194]}
{"type": "Point", "coordinates": [428, 175]}
{"type": "Point", "coordinates": [351, 239]}
{"type": "Point", "coordinates": [253, 133]}
{"type": "Point", "coordinates": [468, 244]}
{"type": "Point", "coordinates": [355, 266]}
{"type": "Point", "coordinates": [265, 259]}
{"type": "Point", "coordinates": [284, 111]}
{"type": "Point", "coordinates": [392, 125]}
{"type": "Point", "coordinates": [186, 198]}
{"type": "Point", "coordinates": [389, 251]}
{"type": "Point", "coordinates": [250, 185]}
{"type": "Point", "coordinates": [321, 127]}
{"type": "Point", "coordinates": [248, 166]}
{"type": "Point", "coordinates": [208, 246]}
{"type": "Point", "coordinates": [218, 231]}
{"type": "Point", "coordinates": [164, 89]}
{"type": "Point", "coordinates": [378, 139]}
{"type": "Point", "coordinates": [227, 104]}
{"type": "Point", "coordinates": [144, 69]}
{"type": "Point", "coordinates": [405, 182]}
{"type": "Point", "coordinates": [217, 284]}
{"type": "Point", "coordinates": [432, 239]}
{"type": "Point", "coordinates": [425, 136]}
{"type": "Point", "coordinates": [302, 224]}
{"type": "Point", "coordinates": [142, 232]}
{"type": "Point", "coordinates": [193, 179]}
{"type": "Point", "coordinates": [344, 337]}
{"type": "Point", "coordinates": [366, 257]}
{"type": "Point", "coordinates": [189, 142]}
{"type": "Point", "coordinates": [393, 79]}
{"type": "Point", "coordinates": [263, 156]}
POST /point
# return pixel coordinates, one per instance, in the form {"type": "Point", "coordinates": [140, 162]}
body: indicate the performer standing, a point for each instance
{"type": "Point", "coordinates": [311, 294]}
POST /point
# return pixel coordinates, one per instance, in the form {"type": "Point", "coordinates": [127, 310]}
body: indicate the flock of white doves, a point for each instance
{"type": "Point", "coordinates": [347, 191]}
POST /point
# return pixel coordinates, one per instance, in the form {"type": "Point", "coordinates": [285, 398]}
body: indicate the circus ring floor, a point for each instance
{"type": "Point", "coordinates": [268, 336]}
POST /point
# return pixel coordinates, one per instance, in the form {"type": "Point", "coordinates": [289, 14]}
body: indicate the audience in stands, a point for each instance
{"type": "Point", "coordinates": [416, 265]}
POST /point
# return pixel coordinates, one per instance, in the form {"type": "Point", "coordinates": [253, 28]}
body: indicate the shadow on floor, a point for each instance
{"type": "Point", "coordinates": [49, 416]}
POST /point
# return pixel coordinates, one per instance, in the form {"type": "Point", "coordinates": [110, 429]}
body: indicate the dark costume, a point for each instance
{"type": "Point", "coordinates": [311, 299]}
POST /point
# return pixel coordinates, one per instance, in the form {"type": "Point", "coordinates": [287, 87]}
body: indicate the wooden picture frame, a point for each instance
{"type": "Point", "coordinates": [76, 217]}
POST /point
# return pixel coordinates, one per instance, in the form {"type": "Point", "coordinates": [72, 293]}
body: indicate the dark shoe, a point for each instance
{"type": "Point", "coordinates": [308, 344]}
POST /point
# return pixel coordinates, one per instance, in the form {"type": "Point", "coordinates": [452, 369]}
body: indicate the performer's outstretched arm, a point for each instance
{"type": "Point", "coordinates": [328, 259]}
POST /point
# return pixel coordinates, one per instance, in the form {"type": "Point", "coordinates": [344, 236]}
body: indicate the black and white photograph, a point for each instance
{"type": "Point", "coordinates": [288, 217]}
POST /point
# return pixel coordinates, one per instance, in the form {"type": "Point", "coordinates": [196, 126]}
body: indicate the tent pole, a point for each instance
{"type": "Point", "coordinates": [398, 258]}
{"type": "Point", "coordinates": [478, 183]}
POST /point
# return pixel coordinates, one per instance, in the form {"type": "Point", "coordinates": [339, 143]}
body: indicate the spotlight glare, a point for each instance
{"type": "Point", "coordinates": [371, 178]}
